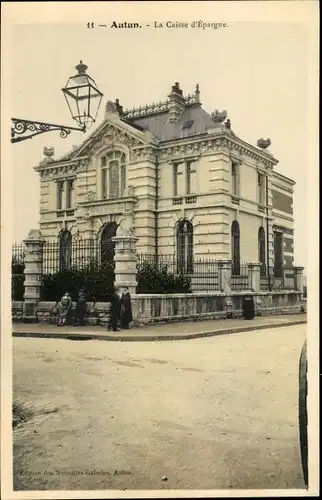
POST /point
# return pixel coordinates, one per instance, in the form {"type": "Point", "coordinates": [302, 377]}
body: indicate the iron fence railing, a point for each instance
{"type": "Point", "coordinates": [239, 277]}
{"type": "Point", "coordinates": [77, 255]}
{"type": "Point", "coordinates": [89, 254]}
{"type": "Point", "coordinates": [282, 278]}
{"type": "Point", "coordinates": [17, 271]}
{"type": "Point", "coordinates": [203, 273]}
{"type": "Point", "coordinates": [18, 253]}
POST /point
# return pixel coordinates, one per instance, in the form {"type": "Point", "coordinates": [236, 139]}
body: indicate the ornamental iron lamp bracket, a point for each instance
{"type": "Point", "coordinates": [26, 129]}
{"type": "Point", "coordinates": [83, 99]}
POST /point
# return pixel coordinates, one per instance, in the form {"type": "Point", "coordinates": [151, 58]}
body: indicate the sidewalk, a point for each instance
{"type": "Point", "coordinates": [170, 331]}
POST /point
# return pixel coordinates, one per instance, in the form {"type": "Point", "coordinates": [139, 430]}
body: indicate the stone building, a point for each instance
{"type": "Point", "coordinates": [176, 176]}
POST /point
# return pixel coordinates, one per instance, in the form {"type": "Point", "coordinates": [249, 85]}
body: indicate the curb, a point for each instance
{"type": "Point", "coordinates": [151, 338]}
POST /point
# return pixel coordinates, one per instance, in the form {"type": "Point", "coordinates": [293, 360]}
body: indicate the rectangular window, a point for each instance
{"type": "Point", "coordinates": [191, 178]}
{"type": "Point", "coordinates": [178, 180]}
{"type": "Point", "coordinates": [278, 254]}
{"type": "Point", "coordinates": [123, 179]}
{"type": "Point", "coordinates": [70, 194]}
{"type": "Point", "coordinates": [104, 183]}
{"type": "Point", "coordinates": [60, 194]}
{"type": "Point", "coordinates": [234, 178]}
{"type": "Point", "coordinates": [261, 188]}
{"type": "Point", "coordinates": [114, 179]}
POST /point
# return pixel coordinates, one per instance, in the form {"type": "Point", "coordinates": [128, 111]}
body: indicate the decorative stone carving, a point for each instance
{"type": "Point", "coordinates": [263, 143]}
{"type": "Point", "coordinates": [109, 136]}
{"type": "Point", "coordinates": [127, 223]}
{"type": "Point", "coordinates": [35, 234]}
{"type": "Point", "coordinates": [124, 229]}
{"type": "Point", "coordinates": [56, 171]}
{"type": "Point", "coordinates": [187, 124]}
{"type": "Point", "coordinates": [83, 164]}
{"type": "Point", "coordinates": [228, 124]}
{"type": "Point", "coordinates": [48, 154]}
{"type": "Point", "coordinates": [49, 151]}
{"type": "Point", "coordinates": [144, 153]}
{"type": "Point", "coordinates": [219, 116]}
{"type": "Point", "coordinates": [91, 195]}
{"type": "Point", "coordinates": [130, 190]}
{"type": "Point", "coordinates": [213, 145]}
{"type": "Point", "coordinates": [87, 214]}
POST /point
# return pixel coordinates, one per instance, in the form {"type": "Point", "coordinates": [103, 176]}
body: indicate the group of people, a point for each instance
{"type": "Point", "coordinates": [121, 309]}
{"type": "Point", "coordinates": [120, 313]}
{"type": "Point", "coordinates": [65, 313]}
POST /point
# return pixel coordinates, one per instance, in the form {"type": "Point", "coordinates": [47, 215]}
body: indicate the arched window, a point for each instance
{"type": "Point", "coordinates": [107, 245]}
{"type": "Point", "coordinates": [113, 175]}
{"type": "Point", "coordinates": [65, 250]}
{"type": "Point", "coordinates": [261, 249]}
{"type": "Point", "coordinates": [185, 246]}
{"type": "Point", "coordinates": [235, 248]}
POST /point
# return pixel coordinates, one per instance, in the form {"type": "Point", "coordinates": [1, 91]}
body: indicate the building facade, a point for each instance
{"type": "Point", "coordinates": [176, 176]}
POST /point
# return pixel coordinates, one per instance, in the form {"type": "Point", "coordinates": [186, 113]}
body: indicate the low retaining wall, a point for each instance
{"type": "Point", "coordinates": [151, 309]}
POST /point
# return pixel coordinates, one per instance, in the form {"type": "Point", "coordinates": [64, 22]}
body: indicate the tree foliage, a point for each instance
{"type": "Point", "coordinates": [96, 278]}
{"type": "Point", "coordinates": [154, 278]}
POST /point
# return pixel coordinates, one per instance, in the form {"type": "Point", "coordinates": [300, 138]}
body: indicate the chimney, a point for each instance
{"type": "Point", "coordinates": [119, 108]}
{"type": "Point", "coordinates": [113, 108]}
{"type": "Point", "coordinates": [176, 103]}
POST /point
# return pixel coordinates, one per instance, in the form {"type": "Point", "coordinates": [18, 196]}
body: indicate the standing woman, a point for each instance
{"type": "Point", "coordinates": [115, 310]}
{"type": "Point", "coordinates": [126, 309]}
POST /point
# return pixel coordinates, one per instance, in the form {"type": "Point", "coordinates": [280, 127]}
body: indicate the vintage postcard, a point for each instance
{"type": "Point", "coordinates": [159, 221]}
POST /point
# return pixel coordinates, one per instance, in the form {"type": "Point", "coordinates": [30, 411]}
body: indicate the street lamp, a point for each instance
{"type": "Point", "coordinates": [83, 99]}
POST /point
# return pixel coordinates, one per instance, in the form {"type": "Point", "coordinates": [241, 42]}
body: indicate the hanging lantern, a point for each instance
{"type": "Point", "coordinates": [83, 97]}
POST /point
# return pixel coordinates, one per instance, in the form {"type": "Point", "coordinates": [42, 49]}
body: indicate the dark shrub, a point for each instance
{"type": "Point", "coordinates": [97, 279]}
{"type": "Point", "coordinates": [17, 279]}
{"type": "Point", "coordinates": [154, 278]}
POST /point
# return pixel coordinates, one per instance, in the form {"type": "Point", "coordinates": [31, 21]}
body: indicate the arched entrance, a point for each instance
{"type": "Point", "coordinates": [107, 245]}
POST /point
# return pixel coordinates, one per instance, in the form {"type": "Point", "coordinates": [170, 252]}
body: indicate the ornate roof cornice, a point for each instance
{"type": "Point", "coordinates": [217, 142]}
{"type": "Point", "coordinates": [146, 147]}
{"type": "Point", "coordinates": [52, 170]}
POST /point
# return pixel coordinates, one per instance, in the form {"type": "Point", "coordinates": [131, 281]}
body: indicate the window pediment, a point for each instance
{"type": "Point", "coordinates": [110, 136]}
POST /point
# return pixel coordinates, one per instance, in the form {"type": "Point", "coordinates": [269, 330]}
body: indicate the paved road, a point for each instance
{"type": "Point", "coordinates": [208, 413]}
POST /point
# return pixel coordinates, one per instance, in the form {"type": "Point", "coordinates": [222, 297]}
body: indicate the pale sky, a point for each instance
{"type": "Point", "coordinates": [256, 71]}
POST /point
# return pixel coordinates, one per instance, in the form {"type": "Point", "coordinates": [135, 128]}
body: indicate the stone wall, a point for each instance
{"type": "Point", "coordinates": [151, 309]}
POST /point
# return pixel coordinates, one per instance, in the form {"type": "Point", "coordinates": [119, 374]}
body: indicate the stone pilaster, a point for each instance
{"type": "Point", "coordinates": [254, 276]}
{"type": "Point", "coordinates": [33, 271]}
{"type": "Point", "coordinates": [224, 277]}
{"type": "Point", "coordinates": [125, 260]}
{"type": "Point", "coordinates": [298, 278]}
